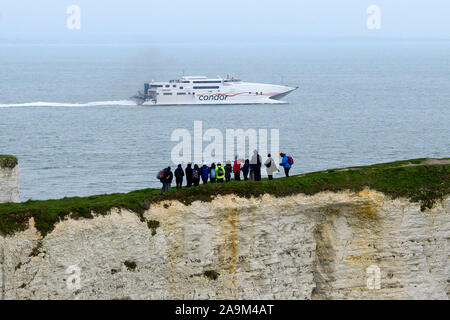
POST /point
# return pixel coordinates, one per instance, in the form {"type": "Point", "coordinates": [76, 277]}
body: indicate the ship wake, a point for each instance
{"type": "Point", "coordinates": [63, 104]}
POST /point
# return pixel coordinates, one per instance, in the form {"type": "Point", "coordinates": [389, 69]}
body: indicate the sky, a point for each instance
{"type": "Point", "coordinates": [225, 20]}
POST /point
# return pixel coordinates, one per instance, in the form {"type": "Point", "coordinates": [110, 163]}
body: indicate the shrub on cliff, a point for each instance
{"type": "Point", "coordinates": [7, 161]}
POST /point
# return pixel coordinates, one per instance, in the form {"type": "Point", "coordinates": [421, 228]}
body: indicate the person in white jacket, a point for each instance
{"type": "Point", "coordinates": [271, 167]}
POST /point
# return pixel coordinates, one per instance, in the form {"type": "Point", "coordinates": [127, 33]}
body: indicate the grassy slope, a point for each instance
{"type": "Point", "coordinates": [420, 183]}
{"type": "Point", "coordinates": [7, 161]}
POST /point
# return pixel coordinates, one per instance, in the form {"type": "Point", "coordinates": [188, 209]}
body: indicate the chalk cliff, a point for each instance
{"type": "Point", "coordinates": [330, 245]}
{"type": "Point", "coordinates": [9, 179]}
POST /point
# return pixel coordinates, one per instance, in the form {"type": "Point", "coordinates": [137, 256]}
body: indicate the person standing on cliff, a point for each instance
{"type": "Point", "coordinates": [212, 173]}
{"type": "Point", "coordinates": [255, 166]}
{"type": "Point", "coordinates": [228, 170]}
{"type": "Point", "coordinates": [220, 173]}
{"type": "Point", "coordinates": [245, 168]}
{"type": "Point", "coordinates": [188, 172]}
{"type": "Point", "coordinates": [196, 175]}
{"type": "Point", "coordinates": [204, 170]}
{"type": "Point", "coordinates": [271, 167]}
{"type": "Point", "coordinates": [237, 168]}
{"type": "Point", "coordinates": [286, 163]}
{"type": "Point", "coordinates": [179, 174]}
{"type": "Point", "coordinates": [166, 177]}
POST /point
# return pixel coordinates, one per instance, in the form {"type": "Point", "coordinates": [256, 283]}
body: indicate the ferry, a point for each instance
{"type": "Point", "coordinates": [203, 90]}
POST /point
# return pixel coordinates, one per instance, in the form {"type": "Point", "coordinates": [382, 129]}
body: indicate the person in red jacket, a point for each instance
{"type": "Point", "coordinates": [237, 169]}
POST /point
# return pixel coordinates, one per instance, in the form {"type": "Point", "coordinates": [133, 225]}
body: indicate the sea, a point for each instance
{"type": "Point", "coordinates": [66, 113]}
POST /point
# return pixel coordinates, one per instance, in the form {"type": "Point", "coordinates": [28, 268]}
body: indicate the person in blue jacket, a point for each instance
{"type": "Point", "coordinates": [212, 172]}
{"type": "Point", "coordinates": [205, 170]}
{"type": "Point", "coordinates": [285, 164]}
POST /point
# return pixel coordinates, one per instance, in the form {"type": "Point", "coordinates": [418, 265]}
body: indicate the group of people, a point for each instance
{"type": "Point", "coordinates": [251, 169]}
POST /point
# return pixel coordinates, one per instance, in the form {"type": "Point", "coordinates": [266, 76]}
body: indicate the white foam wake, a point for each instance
{"type": "Point", "coordinates": [59, 104]}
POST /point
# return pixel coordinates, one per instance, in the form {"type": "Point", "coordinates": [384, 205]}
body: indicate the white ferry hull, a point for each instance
{"type": "Point", "coordinates": [205, 91]}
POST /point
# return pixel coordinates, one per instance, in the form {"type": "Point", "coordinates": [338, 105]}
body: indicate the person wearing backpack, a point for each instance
{"type": "Point", "coordinates": [220, 173]}
{"type": "Point", "coordinates": [204, 170]}
{"type": "Point", "coordinates": [228, 170]}
{"type": "Point", "coordinates": [196, 175]}
{"type": "Point", "coordinates": [271, 167]}
{"type": "Point", "coordinates": [169, 178]}
{"type": "Point", "coordinates": [188, 172]}
{"type": "Point", "coordinates": [179, 174]}
{"type": "Point", "coordinates": [166, 179]}
{"type": "Point", "coordinates": [237, 169]}
{"type": "Point", "coordinates": [286, 163]}
{"type": "Point", "coordinates": [160, 177]}
{"type": "Point", "coordinates": [245, 168]}
{"type": "Point", "coordinates": [212, 173]}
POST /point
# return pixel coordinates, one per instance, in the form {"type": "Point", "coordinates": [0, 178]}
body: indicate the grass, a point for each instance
{"type": "Point", "coordinates": [152, 225]}
{"type": "Point", "coordinates": [425, 184]}
{"type": "Point", "coordinates": [7, 161]}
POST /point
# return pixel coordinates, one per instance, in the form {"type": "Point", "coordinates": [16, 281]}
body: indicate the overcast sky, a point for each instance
{"type": "Point", "coordinates": [213, 20]}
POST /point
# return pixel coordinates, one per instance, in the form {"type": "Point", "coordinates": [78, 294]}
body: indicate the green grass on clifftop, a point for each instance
{"type": "Point", "coordinates": [7, 161]}
{"type": "Point", "coordinates": [420, 183]}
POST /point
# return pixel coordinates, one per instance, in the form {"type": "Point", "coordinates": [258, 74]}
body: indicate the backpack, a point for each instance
{"type": "Point", "coordinates": [160, 175]}
{"type": "Point", "coordinates": [220, 171]}
{"type": "Point", "coordinates": [290, 160]}
{"type": "Point", "coordinates": [195, 174]}
{"type": "Point", "coordinates": [268, 165]}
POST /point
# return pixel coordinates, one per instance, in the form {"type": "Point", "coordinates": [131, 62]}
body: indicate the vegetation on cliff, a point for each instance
{"type": "Point", "coordinates": [7, 161]}
{"type": "Point", "coordinates": [420, 180]}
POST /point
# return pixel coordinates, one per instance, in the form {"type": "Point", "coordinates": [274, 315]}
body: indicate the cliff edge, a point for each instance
{"type": "Point", "coordinates": [375, 232]}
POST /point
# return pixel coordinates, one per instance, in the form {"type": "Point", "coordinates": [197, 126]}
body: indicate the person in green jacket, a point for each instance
{"type": "Point", "coordinates": [220, 173]}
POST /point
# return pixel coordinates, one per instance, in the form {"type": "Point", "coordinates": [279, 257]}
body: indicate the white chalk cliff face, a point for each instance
{"type": "Point", "coordinates": [9, 184]}
{"type": "Point", "coordinates": [326, 246]}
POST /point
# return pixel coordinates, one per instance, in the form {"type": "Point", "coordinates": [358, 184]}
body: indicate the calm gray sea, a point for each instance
{"type": "Point", "coordinates": [64, 110]}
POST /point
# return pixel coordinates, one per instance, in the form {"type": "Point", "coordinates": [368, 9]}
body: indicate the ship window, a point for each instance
{"type": "Point", "coordinates": [181, 93]}
{"type": "Point", "coordinates": [167, 93]}
{"type": "Point", "coordinates": [208, 81]}
{"type": "Point", "coordinates": [174, 85]}
{"type": "Point", "coordinates": [207, 87]}
{"type": "Point", "coordinates": [167, 85]}
{"type": "Point", "coordinates": [156, 86]}
{"type": "Point", "coordinates": [181, 87]}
